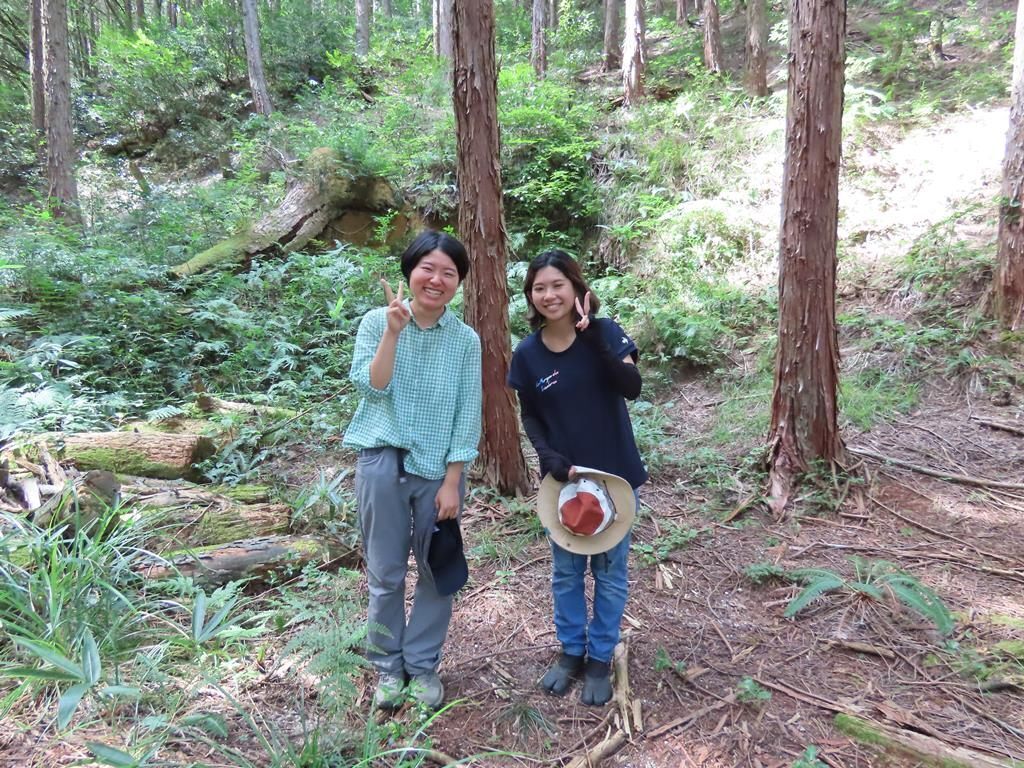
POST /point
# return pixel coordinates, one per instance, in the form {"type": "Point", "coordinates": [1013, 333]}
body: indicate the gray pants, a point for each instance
{"type": "Point", "coordinates": [396, 513]}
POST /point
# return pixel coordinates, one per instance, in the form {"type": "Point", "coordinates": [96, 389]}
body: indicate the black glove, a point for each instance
{"type": "Point", "coordinates": [623, 377]}
{"type": "Point", "coordinates": [551, 461]}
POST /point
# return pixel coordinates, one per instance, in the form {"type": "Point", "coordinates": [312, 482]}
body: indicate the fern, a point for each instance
{"type": "Point", "coordinates": [873, 580]}
{"type": "Point", "coordinates": [920, 599]}
{"type": "Point", "coordinates": [759, 573]}
{"type": "Point", "coordinates": [821, 582]}
{"type": "Point", "coordinates": [163, 413]}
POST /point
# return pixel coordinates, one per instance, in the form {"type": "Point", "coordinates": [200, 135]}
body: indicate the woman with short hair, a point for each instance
{"type": "Point", "coordinates": [417, 368]}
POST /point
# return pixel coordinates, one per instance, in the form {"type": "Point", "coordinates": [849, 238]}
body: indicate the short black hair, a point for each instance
{"type": "Point", "coordinates": [430, 240]}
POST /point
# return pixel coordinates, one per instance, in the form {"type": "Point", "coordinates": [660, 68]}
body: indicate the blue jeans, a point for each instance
{"type": "Point", "coordinates": [598, 637]}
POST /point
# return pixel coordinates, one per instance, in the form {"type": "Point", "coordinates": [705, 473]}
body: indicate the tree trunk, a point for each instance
{"type": "Point", "coordinates": [385, 7]}
{"type": "Point", "coordinates": [804, 423]}
{"type": "Point", "coordinates": [681, 11]}
{"type": "Point", "coordinates": [172, 13]}
{"type": "Point", "coordinates": [482, 226]}
{"type": "Point", "coordinates": [936, 29]}
{"type": "Point", "coordinates": [150, 454]}
{"type": "Point", "coordinates": [553, 14]}
{"type": "Point", "coordinates": [633, 56]}
{"type": "Point", "coordinates": [611, 56]}
{"type": "Point", "coordinates": [538, 46]}
{"type": "Point", "coordinates": [140, 13]}
{"type": "Point", "coordinates": [712, 37]}
{"type": "Point", "coordinates": [36, 65]}
{"type": "Point", "coordinates": [254, 58]}
{"type": "Point", "coordinates": [1009, 280]}
{"type": "Point", "coordinates": [364, 18]}
{"type": "Point", "coordinates": [443, 12]}
{"type": "Point", "coordinates": [757, 48]}
{"type": "Point", "coordinates": [60, 146]}
{"type": "Point", "coordinates": [324, 192]}
{"type": "Point", "coordinates": [251, 559]}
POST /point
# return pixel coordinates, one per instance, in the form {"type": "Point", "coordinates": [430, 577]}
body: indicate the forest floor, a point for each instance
{"type": "Point", "coordinates": [721, 677]}
{"type": "Point", "coordinates": [698, 630]}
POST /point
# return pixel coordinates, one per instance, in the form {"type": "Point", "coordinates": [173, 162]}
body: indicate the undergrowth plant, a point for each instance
{"type": "Point", "coordinates": [877, 581]}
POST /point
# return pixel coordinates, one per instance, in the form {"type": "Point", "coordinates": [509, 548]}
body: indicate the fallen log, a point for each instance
{"type": "Point", "coordinates": [249, 559]}
{"type": "Point", "coordinates": [324, 191]}
{"type": "Point", "coordinates": [150, 454]}
{"type": "Point", "coordinates": [211, 404]}
{"type": "Point", "coordinates": [917, 745]}
{"type": "Point", "coordinates": [187, 524]}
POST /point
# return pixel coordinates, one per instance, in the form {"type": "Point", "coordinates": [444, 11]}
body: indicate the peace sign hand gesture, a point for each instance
{"type": "Point", "coordinates": [584, 313]}
{"type": "Point", "coordinates": [398, 314]}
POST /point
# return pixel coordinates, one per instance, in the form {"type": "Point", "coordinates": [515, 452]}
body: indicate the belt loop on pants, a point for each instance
{"type": "Point", "coordinates": [402, 476]}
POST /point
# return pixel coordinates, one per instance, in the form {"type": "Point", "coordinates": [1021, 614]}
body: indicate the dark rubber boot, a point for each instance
{"type": "Point", "coordinates": [558, 679]}
{"type": "Point", "coordinates": [597, 683]}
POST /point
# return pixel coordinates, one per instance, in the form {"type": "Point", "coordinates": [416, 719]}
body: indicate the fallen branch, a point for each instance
{"type": "Point", "coordinates": [686, 720]}
{"type": "Point", "coordinates": [940, 534]}
{"type": "Point", "coordinates": [605, 749]}
{"type": "Point", "coordinates": [853, 645]}
{"type": "Point", "coordinates": [950, 476]}
{"type": "Point", "coordinates": [620, 663]}
{"type": "Point", "coordinates": [1000, 425]}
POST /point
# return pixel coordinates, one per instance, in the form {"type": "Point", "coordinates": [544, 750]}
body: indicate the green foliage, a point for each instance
{"type": "Point", "coordinates": [749, 691]}
{"type": "Point", "coordinates": [869, 396]}
{"type": "Point", "coordinates": [664, 662]}
{"type": "Point", "coordinates": [649, 424]}
{"type": "Point", "coordinates": [673, 537]}
{"type": "Point", "coordinates": [809, 759]}
{"type": "Point", "coordinates": [761, 573]}
{"type": "Point", "coordinates": [878, 581]}
{"type": "Point", "coordinates": [331, 637]}
{"type": "Point", "coordinates": [327, 505]}
{"type": "Point", "coordinates": [547, 144]}
{"type": "Point", "coordinates": [84, 676]}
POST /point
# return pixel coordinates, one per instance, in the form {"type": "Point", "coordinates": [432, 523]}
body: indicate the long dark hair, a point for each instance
{"type": "Point", "coordinates": [569, 267]}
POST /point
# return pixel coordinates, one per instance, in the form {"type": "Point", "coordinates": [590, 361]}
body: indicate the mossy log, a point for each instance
{"type": "Point", "coordinates": [183, 514]}
{"type": "Point", "coordinates": [150, 454]}
{"type": "Point", "coordinates": [249, 559]}
{"type": "Point", "coordinates": [320, 195]}
{"type": "Point", "coordinates": [919, 746]}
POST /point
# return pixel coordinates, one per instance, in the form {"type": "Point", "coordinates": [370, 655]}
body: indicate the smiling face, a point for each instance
{"type": "Point", "coordinates": [553, 294]}
{"type": "Point", "coordinates": [433, 281]}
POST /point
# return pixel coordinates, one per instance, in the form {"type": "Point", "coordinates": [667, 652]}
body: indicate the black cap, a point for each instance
{"type": "Point", "coordinates": [446, 558]}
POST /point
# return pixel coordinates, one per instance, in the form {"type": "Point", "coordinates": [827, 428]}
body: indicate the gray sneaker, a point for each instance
{"type": "Point", "coordinates": [427, 689]}
{"type": "Point", "coordinates": [389, 690]}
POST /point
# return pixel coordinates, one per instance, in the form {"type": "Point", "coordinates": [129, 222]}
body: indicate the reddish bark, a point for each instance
{"type": "Point", "coordinates": [1009, 280]}
{"type": "Point", "coordinates": [804, 423]}
{"type": "Point", "coordinates": [712, 36]}
{"type": "Point", "coordinates": [611, 56]}
{"type": "Point", "coordinates": [757, 48]}
{"type": "Point", "coordinates": [482, 226]}
{"type": "Point", "coordinates": [60, 145]}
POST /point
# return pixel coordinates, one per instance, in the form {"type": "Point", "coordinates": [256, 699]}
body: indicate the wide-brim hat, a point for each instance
{"type": "Point", "coordinates": [447, 559]}
{"type": "Point", "coordinates": [620, 494]}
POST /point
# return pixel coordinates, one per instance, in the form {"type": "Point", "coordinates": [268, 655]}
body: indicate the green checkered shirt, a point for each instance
{"type": "Point", "coordinates": [431, 407]}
